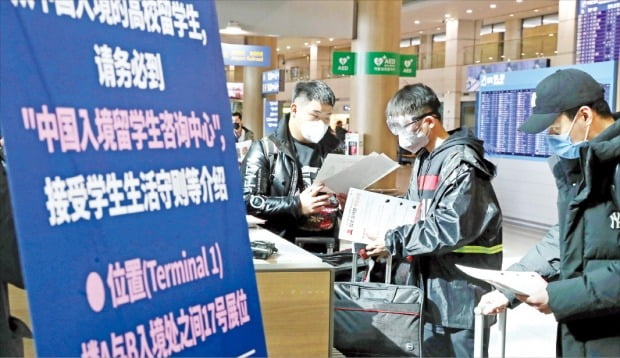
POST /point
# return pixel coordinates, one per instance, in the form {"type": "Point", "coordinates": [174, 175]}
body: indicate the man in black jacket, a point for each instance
{"type": "Point", "coordinates": [458, 222]}
{"type": "Point", "coordinates": [278, 171]}
{"type": "Point", "coordinates": [585, 136]}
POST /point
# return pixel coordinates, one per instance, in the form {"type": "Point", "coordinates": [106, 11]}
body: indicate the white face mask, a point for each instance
{"type": "Point", "coordinates": [313, 131]}
{"type": "Point", "coordinates": [412, 142]}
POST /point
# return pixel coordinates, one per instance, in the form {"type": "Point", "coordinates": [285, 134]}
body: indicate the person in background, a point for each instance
{"type": "Point", "coordinates": [341, 132]}
{"type": "Point", "coordinates": [278, 171]}
{"type": "Point", "coordinates": [585, 137]}
{"type": "Point", "coordinates": [242, 133]}
{"type": "Point", "coordinates": [459, 220]}
{"type": "Point", "coordinates": [12, 330]}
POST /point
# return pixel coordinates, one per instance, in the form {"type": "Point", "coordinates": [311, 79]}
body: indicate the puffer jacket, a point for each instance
{"type": "Point", "coordinates": [460, 224]}
{"type": "Point", "coordinates": [272, 179]}
{"type": "Point", "coordinates": [586, 299]}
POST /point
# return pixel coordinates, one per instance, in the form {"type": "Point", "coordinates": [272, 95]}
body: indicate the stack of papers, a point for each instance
{"type": "Point", "coordinates": [367, 215]}
{"type": "Point", "coordinates": [253, 221]}
{"type": "Point", "coordinates": [520, 283]}
{"type": "Point", "coordinates": [341, 172]}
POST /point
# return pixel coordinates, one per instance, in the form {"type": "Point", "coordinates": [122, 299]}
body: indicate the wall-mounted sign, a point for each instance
{"type": "Point", "coordinates": [271, 116]}
{"type": "Point", "coordinates": [477, 74]}
{"type": "Point", "coordinates": [273, 81]}
{"type": "Point", "coordinates": [382, 63]}
{"type": "Point", "coordinates": [132, 241]}
{"type": "Point", "coordinates": [343, 63]}
{"type": "Point", "coordinates": [408, 65]}
{"type": "Point", "coordinates": [246, 55]}
{"type": "Point", "coordinates": [235, 90]}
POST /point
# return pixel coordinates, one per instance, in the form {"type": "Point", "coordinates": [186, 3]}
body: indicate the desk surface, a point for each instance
{"type": "Point", "coordinates": [289, 256]}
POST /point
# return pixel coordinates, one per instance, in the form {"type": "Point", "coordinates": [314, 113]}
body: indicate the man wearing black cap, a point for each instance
{"type": "Point", "coordinates": [585, 137]}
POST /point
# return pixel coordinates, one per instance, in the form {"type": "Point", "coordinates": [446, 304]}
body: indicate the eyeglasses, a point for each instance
{"type": "Point", "coordinates": [395, 127]}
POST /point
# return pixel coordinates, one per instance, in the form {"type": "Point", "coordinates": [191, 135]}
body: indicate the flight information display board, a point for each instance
{"type": "Point", "coordinates": [598, 30]}
{"type": "Point", "coordinates": [505, 101]}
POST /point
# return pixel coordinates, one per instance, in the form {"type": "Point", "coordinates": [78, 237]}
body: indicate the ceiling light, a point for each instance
{"type": "Point", "coordinates": [439, 28]}
{"type": "Point", "coordinates": [536, 10]}
{"type": "Point", "coordinates": [305, 44]}
{"type": "Point", "coordinates": [331, 39]}
{"type": "Point", "coordinates": [511, 15]}
{"type": "Point", "coordinates": [318, 41]}
{"type": "Point", "coordinates": [421, 32]}
{"type": "Point", "coordinates": [519, 1]}
{"type": "Point", "coordinates": [492, 6]}
{"type": "Point", "coordinates": [288, 47]}
{"type": "Point", "coordinates": [233, 28]}
{"type": "Point", "coordinates": [469, 11]}
{"type": "Point", "coordinates": [447, 16]}
{"type": "Point", "coordinates": [417, 22]}
{"type": "Point", "coordinates": [278, 49]}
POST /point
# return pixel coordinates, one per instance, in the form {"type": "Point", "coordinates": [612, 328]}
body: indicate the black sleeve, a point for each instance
{"type": "Point", "coordinates": [464, 212]}
{"type": "Point", "coordinates": [10, 268]}
{"type": "Point", "coordinates": [256, 173]}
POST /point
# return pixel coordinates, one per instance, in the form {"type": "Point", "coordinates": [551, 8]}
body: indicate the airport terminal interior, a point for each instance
{"type": "Point", "coordinates": [483, 58]}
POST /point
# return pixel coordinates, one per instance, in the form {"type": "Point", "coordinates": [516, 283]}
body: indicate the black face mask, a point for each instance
{"type": "Point", "coordinates": [237, 125]}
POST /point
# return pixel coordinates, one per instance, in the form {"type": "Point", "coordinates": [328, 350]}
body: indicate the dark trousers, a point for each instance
{"type": "Point", "coordinates": [441, 341]}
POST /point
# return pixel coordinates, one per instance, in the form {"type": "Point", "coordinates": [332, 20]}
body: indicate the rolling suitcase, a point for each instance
{"type": "Point", "coordinates": [374, 319]}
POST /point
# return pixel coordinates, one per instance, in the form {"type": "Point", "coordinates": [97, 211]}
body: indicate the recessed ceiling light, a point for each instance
{"type": "Point", "coordinates": [288, 47]}
{"type": "Point", "coordinates": [469, 11]}
{"type": "Point", "coordinates": [417, 22]}
{"type": "Point", "coordinates": [421, 31]}
{"type": "Point", "coordinates": [439, 28]}
{"type": "Point", "coordinates": [447, 16]}
{"type": "Point", "coordinates": [536, 10]}
{"type": "Point", "coordinates": [318, 41]}
{"type": "Point", "coordinates": [278, 49]}
{"type": "Point", "coordinates": [305, 44]}
{"type": "Point", "coordinates": [331, 39]}
{"type": "Point", "coordinates": [511, 15]}
{"type": "Point", "coordinates": [492, 6]}
{"type": "Point", "coordinates": [519, 1]}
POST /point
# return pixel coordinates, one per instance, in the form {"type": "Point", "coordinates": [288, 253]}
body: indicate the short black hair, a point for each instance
{"type": "Point", "coordinates": [314, 91]}
{"type": "Point", "coordinates": [414, 100]}
{"type": "Point", "coordinates": [238, 114]}
{"type": "Point", "coordinates": [599, 106]}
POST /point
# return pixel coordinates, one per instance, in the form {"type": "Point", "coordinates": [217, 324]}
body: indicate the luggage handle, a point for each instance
{"type": "Point", "coordinates": [358, 249]}
{"type": "Point", "coordinates": [356, 290]}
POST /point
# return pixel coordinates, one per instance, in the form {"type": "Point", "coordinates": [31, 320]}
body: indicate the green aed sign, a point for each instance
{"type": "Point", "coordinates": [343, 63]}
{"type": "Point", "coordinates": [408, 65]}
{"type": "Point", "coordinates": [382, 63]}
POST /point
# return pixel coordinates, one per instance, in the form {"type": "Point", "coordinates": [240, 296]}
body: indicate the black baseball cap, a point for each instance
{"type": "Point", "coordinates": [559, 92]}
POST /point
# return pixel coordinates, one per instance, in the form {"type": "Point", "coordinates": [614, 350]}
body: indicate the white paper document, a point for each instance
{"type": "Point", "coordinates": [369, 215]}
{"type": "Point", "coordinates": [521, 283]}
{"type": "Point", "coordinates": [253, 221]}
{"type": "Point", "coordinates": [242, 149]}
{"type": "Point", "coordinates": [341, 172]}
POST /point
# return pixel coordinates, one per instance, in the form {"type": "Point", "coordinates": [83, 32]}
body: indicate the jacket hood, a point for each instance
{"type": "Point", "coordinates": [473, 152]}
{"type": "Point", "coordinates": [606, 146]}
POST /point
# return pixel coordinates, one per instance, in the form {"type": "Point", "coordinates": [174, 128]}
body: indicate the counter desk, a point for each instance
{"type": "Point", "coordinates": [295, 289]}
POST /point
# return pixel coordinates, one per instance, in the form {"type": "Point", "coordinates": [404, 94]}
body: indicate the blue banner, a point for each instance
{"type": "Point", "coordinates": [246, 55]}
{"type": "Point", "coordinates": [273, 81]}
{"type": "Point", "coordinates": [123, 174]}
{"type": "Point", "coordinates": [271, 116]}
